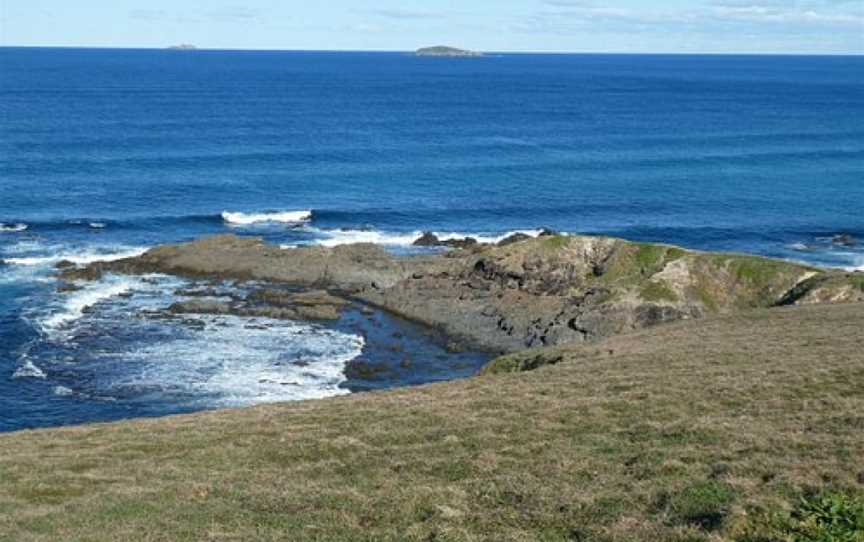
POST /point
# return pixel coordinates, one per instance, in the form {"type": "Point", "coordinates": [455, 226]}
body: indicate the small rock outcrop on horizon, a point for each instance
{"type": "Point", "coordinates": [554, 289]}
{"type": "Point", "coordinates": [443, 50]}
{"type": "Point", "coordinates": [183, 47]}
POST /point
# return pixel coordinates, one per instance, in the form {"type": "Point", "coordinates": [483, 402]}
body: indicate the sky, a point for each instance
{"type": "Point", "coordinates": [625, 26]}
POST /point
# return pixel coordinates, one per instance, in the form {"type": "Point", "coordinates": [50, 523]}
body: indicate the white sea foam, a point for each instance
{"type": "Point", "coordinates": [11, 228]}
{"type": "Point", "coordinates": [221, 361]}
{"type": "Point", "coordinates": [287, 217]}
{"type": "Point", "coordinates": [97, 225]}
{"type": "Point", "coordinates": [62, 391]}
{"type": "Point", "coordinates": [345, 237]}
{"type": "Point", "coordinates": [74, 304]}
{"type": "Point", "coordinates": [231, 363]}
{"type": "Point", "coordinates": [491, 239]}
{"type": "Point", "coordinates": [29, 370]}
{"type": "Point", "coordinates": [79, 258]}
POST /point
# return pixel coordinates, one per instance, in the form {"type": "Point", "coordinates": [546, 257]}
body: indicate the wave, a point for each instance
{"type": "Point", "coordinates": [229, 363]}
{"type": "Point", "coordinates": [12, 228]}
{"type": "Point", "coordinates": [285, 217]}
{"type": "Point", "coordinates": [334, 238]}
{"type": "Point", "coordinates": [76, 304]}
{"type": "Point", "coordinates": [29, 370]}
{"type": "Point", "coordinates": [78, 258]}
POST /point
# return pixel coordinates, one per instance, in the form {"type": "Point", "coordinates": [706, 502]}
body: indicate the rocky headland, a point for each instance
{"type": "Point", "coordinates": [518, 294]}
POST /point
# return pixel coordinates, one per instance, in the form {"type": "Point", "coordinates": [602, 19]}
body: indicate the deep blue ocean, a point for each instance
{"type": "Point", "coordinates": [106, 152]}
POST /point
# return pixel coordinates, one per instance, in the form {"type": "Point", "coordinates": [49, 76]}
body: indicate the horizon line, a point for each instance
{"type": "Point", "coordinates": [411, 51]}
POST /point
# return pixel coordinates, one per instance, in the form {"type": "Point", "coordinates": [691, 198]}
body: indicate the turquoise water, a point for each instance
{"type": "Point", "coordinates": [107, 152]}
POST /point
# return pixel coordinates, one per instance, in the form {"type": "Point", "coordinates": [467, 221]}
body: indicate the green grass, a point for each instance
{"type": "Point", "coordinates": [827, 517]}
{"type": "Point", "coordinates": [555, 242]}
{"type": "Point", "coordinates": [657, 291]}
{"type": "Point", "coordinates": [743, 428]}
{"type": "Point", "coordinates": [703, 504]}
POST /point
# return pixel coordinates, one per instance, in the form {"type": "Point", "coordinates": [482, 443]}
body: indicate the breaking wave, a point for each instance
{"type": "Point", "coordinates": [11, 228]}
{"type": "Point", "coordinates": [75, 304]}
{"type": "Point", "coordinates": [284, 217]}
{"type": "Point", "coordinates": [84, 257]}
{"type": "Point", "coordinates": [332, 238]}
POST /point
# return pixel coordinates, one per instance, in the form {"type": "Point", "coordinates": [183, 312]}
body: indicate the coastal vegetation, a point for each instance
{"type": "Point", "coordinates": [744, 427]}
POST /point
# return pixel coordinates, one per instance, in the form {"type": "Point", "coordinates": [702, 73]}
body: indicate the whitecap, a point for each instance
{"type": "Point", "coordinates": [486, 238]}
{"type": "Point", "coordinates": [62, 391]}
{"type": "Point", "coordinates": [287, 217]}
{"type": "Point", "coordinates": [12, 228]}
{"type": "Point", "coordinates": [79, 258]}
{"type": "Point", "coordinates": [29, 370]}
{"type": "Point", "coordinates": [98, 225]}
{"type": "Point", "coordinates": [348, 237]}
{"type": "Point", "coordinates": [345, 237]}
{"type": "Point", "coordinates": [74, 305]}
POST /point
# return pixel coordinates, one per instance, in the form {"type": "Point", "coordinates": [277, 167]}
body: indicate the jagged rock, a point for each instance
{"type": "Point", "coordinates": [515, 238]}
{"type": "Point", "coordinates": [361, 369]}
{"type": "Point", "coordinates": [428, 239]}
{"type": "Point", "coordinates": [200, 307]}
{"type": "Point", "coordinates": [89, 273]}
{"type": "Point", "coordinates": [463, 243]}
{"type": "Point", "coordinates": [545, 291]}
{"type": "Point", "coordinates": [64, 264]}
{"type": "Point", "coordinates": [66, 287]}
{"type": "Point", "coordinates": [546, 232]}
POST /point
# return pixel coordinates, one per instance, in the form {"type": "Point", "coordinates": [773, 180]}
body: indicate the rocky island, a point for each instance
{"type": "Point", "coordinates": [183, 47]}
{"type": "Point", "coordinates": [442, 50]}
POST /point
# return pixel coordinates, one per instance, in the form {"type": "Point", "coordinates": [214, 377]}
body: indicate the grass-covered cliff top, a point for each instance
{"type": "Point", "coordinates": [744, 427]}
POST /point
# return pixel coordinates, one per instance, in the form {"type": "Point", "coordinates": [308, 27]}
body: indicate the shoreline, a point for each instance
{"type": "Point", "coordinates": [517, 294]}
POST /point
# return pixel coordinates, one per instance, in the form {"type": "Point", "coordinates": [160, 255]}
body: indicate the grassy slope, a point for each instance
{"type": "Point", "coordinates": [684, 432]}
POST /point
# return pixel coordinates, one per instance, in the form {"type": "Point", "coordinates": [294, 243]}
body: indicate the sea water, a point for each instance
{"type": "Point", "coordinates": [104, 153]}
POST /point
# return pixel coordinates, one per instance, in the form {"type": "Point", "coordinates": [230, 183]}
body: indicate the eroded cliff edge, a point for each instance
{"type": "Point", "coordinates": [536, 292]}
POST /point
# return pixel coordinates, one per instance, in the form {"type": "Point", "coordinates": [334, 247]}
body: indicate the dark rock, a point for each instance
{"type": "Point", "coordinates": [515, 238]}
{"type": "Point", "coordinates": [428, 239]}
{"type": "Point", "coordinates": [89, 273]}
{"type": "Point", "coordinates": [66, 287]}
{"type": "Point", "coordinates": [546, 232]}
{"type": "Point", "coordinates": [455, 347]}
{"type": "Point", "coordinates": [467, 242]}
{"type": "Point", "coordinates": [199, 307]}
{"type": "Point", "coordinates": [361, 369]}
{"type": "Point", "coordinates": [64, 264]}
{"type": "Point", "coordinates": [844, 240]}
{"type": "Point", "coordinates": [200, 292]}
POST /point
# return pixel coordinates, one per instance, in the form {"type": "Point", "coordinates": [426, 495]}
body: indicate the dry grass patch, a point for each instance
{"type": "Point", "coordinates": [742, 428]}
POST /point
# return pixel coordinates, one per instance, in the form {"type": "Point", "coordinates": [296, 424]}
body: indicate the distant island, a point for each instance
{"type": "Point", "coordinates": [183, 47]}
{"type": "Point", "coordinates": [441, 50]}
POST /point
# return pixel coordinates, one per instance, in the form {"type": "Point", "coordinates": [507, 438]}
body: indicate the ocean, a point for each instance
{"type": "Point", "coordinates": [104, 153]}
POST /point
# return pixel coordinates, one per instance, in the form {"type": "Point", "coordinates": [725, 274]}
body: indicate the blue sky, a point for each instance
{"type": "Point", "coordinates": [715, 26]}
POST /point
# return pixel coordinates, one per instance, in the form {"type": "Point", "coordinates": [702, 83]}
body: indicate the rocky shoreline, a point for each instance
{"type": "Point", "coordinates": [518, 294]}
